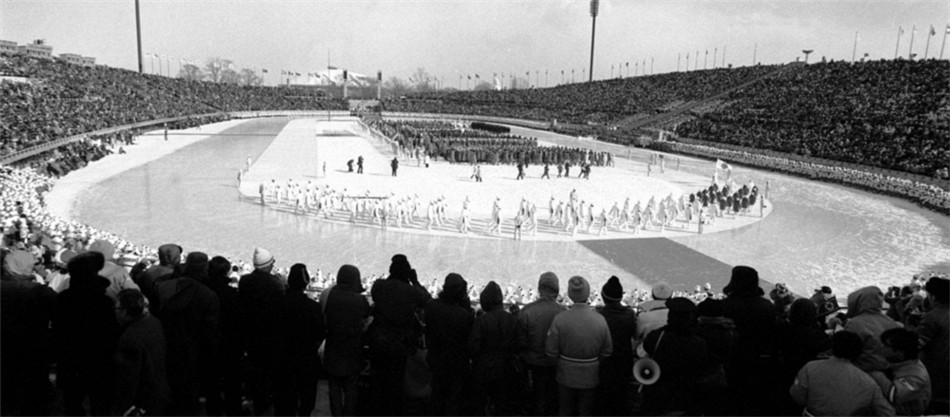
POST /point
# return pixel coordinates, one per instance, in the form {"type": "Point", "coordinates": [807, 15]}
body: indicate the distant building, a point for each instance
{"type": "Point", "coordinates": [8, 47]}
{"type": "Point", "coordinates": [76, 59]}
{"type": "Point", "coordinates": [37, 49]}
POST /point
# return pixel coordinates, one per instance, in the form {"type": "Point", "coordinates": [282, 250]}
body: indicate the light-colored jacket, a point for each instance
{"type": "Point", "coordinates": [578, 339]}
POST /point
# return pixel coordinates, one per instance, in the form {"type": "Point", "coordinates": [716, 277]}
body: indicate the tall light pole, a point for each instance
{"type": "Point", "coordinates": [807, 52]}
{"type": "Point", "coordinates": [594, 6]}
{"type": "Point", "coordinates": [138, 33]}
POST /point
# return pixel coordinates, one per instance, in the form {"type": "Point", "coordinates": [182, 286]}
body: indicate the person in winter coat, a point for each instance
{"type": "Point", "coordinates": [119, 278]}
{"type": "Point", "coordinates": [798, 340]}
{"type": "Point", "coordinates": [141, 380]}
{"type": "Point", "coordinates": [867, 320]}
{"type": "Point", "coordinates": [906, 383]}
{"type": "Point", "coordinates": [394, 332]}
{"type": "Point", "coordinates": [580, 339]}
{"type": "Point", "coordinates": [616, 370]}
{"type": "Point", "coordinates": [534, 320]}
{"type": "Point", "coordinates": [720, 335]}
{"type": "Point", "coordinates": [754, 317]}
{"type": "Point", "coordinates": [225, 362]}
{"type": "Point", "coordinates": [169, 261]}
{"type": "Point", "coordinates": [302, 330]}
{"type": "Point", "coordinates": [493, 344]}
{"type": "Point", "coordinates": [346, 311]}
{"type": "Point", "coordinates": [449, 319]}
{"type": "Point", "coordinates": [188, 311]}
{"type": "Point", "coordinates": [85, 333]}
{"type": "Point", "coordinates": [681, 356]}
{"type": "Point", "coordinates": [260, 293]}
{"type": "Point", "coordinates": [934, 335]}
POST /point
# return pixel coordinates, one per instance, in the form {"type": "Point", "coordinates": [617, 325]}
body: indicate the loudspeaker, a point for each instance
{"type": "Point", "coordinates": [646, 371]}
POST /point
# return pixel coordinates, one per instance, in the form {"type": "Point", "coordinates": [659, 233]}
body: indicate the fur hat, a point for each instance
{"type": "Point", "coordinates": [578, 290]}
{"type": "Point", "coordinates": [196, 266]}
{"type": "Point", "coordinates": [262, 258]}
{"type": "Point", "coordinates": [662, 291]}
{"type": "Point", "coordinates": [548, 284]}
{"type": "Point", "coordinates": [612, 290]}
{"type": "Point", "coordinates": [400, 268]}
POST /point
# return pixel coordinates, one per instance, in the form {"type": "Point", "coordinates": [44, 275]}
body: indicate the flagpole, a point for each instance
{"type": "Point", "coordinates": [678, 57]}
{"type": "Point", "coordinates": [755, 51]}
{"type": "Point", "coordinates": [900, 31]}
{"type": "Point", "coordinates": [929, 35]}
{"type": "Point", "coordinates": [910, 49]}
{"type": "Point", "coordinates": [715, 55]}
{"type": "Point", "coordinates": [944, 43]}
{"type": "Point", "coordinates": [724, 56]}
{"type": "Point", "coordinates": [854, 51]}
{"type": "Point", "coordinates": [651, 65]}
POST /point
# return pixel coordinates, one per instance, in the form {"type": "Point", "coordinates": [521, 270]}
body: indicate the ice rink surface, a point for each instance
{"type": "Point", "coordinates": [185, 191]}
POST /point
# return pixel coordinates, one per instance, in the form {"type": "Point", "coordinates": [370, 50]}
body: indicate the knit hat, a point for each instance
{"type": "Point", "coordinates": [662, 291]}
{"type": "Point", "coordinates": [578, 290]}
{"type": "Point", "coordinates": [348, 278]}
{"type": "Point", "coordinates": [262, 258]}
{"type": "Point", "coordinates": [19, 262]}
{"type": "Point", "coordinates": [548, 284]}
{"type": "Point", "coordinates": [454, 284]}
{"type": "Point", "coordinates": [612, 290]}
{"type": "Point", "coordinates": [491, 296]}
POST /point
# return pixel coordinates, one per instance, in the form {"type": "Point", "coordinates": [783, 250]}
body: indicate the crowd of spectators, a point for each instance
{"type": "Point", "coordinates": [927, 195]}
{"type": "Point", "coordinates": [58, 99]}
{"type": "Point", "coordinates": [458, 143]}
{"type": "Point", "coordinates": [132, 329]}
{"type": "Point", "coordinates": [890, 114]}
{"type": "Point", "coordinates": [600, 102]}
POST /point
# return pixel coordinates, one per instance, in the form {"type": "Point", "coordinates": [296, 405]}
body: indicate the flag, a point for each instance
{"type": "Point", "coordinates": [264, 70]}
{"type": "Point", "coordinates": [476, 77]}
{"type": "Point", "coordinates": [932, 31]}
{"type": "Point", "coordinates": [900, 30]}
{"type": "Point", "coordinates": [722, 165]}
{"type": "Point", "coordinates": [470, 77]}
{"type": "Point", "coordinates": [948, 29]}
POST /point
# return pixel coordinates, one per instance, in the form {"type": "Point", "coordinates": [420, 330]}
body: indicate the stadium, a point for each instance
{"type": "Point", "coordinates": [228, 207]}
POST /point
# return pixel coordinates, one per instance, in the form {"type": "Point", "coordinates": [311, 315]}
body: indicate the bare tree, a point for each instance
{"type": "Point", "coordinates": [216, 67]}
{"type": "Point", "coordinates": [191, 72]}
{"type": "Point", "coordinates": [396, 87]}
{"type": "Point", "coordinates": [249, 77]}
{"type": "Point", "coordinates": [421, 81]}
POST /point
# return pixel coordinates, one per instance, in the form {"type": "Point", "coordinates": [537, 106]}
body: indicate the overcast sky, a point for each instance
{"type": "Point", "coordinates": [449, 38]}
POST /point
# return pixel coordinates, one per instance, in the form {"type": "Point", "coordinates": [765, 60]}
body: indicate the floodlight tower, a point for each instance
{"type": "Point", "coordinates": [594, 6]}
{"type": "Point", "coordinates": [138, 33]}
{"type": "Point", "coordinates": [807, 52]}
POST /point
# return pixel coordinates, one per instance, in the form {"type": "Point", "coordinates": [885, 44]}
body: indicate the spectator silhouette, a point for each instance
{"type": "Point", "coordinates": [85, 332]}
{"type": "Point", "coordinates": [493, 343]}
{"type": "Point", "coordinates": [260, 293]}
{"type": "Point", "coordinates": [534, 320]}
{"type": "Point", "coordinates": [303, 330]}
{"type": "Point", "coordinates": [189, 312]}
{"type": "Point", "coordinates": [934, 335]}
{"type": "Point", "coordinates": [449, 319]}
{"type": "Point", "coordinates": [346, 311]}
{"type": "Point", "coordinates": [616, 370]}
{"type": "Point", "coordinates": [26, 308]}
{"type": "Point", "coordinates": [681, 356]}
{"type": "Point", "coordinates": [394, 332]}
{"type": "Point", "coordinates": [140, 357]}
{"type": "Point", "coordinates": [868, 321]}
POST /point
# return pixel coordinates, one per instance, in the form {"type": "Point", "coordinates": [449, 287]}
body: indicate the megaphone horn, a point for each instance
{"type": "Point", "coordinates": [646, 371]}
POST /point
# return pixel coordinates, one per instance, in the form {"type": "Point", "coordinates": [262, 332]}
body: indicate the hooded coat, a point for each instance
{"type": "Point", "coordinates": [493, 341]}
{"type": "Point", "coordinates": [869, 321]}
{"type": "Point", "coordinates": [345, 309]}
